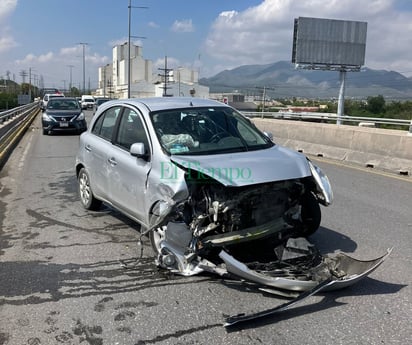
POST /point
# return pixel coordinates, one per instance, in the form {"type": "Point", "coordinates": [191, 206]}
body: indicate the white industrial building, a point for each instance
{"type": "Point", "coordinates": [113, 78]}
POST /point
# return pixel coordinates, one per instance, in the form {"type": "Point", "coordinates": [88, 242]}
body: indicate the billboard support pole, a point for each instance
{"type": "Point", "coordinates": [341, 100]}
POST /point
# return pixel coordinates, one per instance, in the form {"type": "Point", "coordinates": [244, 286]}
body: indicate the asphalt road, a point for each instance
{"type": "Point", "coordinates": [68, 276]}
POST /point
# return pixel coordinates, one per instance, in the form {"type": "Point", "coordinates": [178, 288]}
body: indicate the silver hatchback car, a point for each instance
{"type": "Point", "coordinates": [204, 183]}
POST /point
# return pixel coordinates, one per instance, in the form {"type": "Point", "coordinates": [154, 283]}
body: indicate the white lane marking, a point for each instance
{"type": "Point", "coordinates": [24, 154]}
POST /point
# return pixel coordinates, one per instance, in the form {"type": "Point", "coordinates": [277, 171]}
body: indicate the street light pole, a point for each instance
{"type": "Point", "coordinates": [70, 80]}
{"type": "Point", "coordinates": [128, 54]}
{"type": "Point", "coordinates": [84, 68]}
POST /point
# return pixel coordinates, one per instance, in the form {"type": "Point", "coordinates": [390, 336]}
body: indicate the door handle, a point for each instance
{"type": "Point", "coordinates": [112, 161]}
{"type": "Point", "coordinates": [88, 148]}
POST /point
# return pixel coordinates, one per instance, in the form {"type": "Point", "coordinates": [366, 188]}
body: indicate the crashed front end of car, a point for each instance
{"type": "Point", "coordinates": [235, 208]}
{"type": "Point", "coordinates": [253, 231]}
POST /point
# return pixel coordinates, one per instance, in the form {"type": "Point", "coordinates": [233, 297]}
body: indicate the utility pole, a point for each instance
{"type": "Point", "coordinates": [29, 84]}
{"type": "Point", "coordinates": [104, 81]}
{"type": "Point", "coordinates": [264, 88]}
{"type": "Point", "coordinates": [165, 76]}
{"type": "Point", "coordinates": [129, 65]}
{"type": "Point", "coordinates": [84, 67]}
{"type": "Point", "coordinates": [23, 75]}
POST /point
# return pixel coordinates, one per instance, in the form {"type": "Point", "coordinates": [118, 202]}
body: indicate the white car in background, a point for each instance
{"type": "Point", "coordinates": [47, 97]}
{"type": "Point", "coordinates": [87, 102]}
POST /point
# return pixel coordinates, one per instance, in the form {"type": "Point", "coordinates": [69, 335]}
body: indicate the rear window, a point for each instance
{"type": "Point", "coordinates": [55, 96]}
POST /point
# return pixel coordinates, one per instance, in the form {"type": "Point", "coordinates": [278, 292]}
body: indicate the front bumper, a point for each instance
{"type": "Point", "coordinates": [65, 126]}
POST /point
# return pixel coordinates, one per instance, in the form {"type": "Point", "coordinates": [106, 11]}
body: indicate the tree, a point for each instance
{"type": "Point", "coordinates": [74, 92]}
{"type": "Point", "coordinates": [376, 105]}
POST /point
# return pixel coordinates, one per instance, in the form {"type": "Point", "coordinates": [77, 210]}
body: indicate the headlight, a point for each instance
{"type": "Point", "coordinates": [322, 183]}
{"type": "Point", "coordinates": [80, 117]}
{"type": "Point", "coordinates": [46, 117]}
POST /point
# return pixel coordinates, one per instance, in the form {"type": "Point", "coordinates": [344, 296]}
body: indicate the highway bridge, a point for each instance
{"type": "Point", "coordinates": [69, 276]}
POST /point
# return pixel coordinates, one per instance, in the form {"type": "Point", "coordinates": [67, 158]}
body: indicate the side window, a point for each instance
{"type": "Point", "coordinates": [104, 126]}
{"type": "Point", "coordinates": [131, 130]}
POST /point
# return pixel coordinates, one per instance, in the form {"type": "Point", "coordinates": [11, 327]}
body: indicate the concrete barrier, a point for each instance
{"type": "Point", "coordinates": [372, 147]}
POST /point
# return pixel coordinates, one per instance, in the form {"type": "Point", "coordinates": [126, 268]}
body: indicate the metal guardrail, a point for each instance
{"type": "Point", "coordinates": [13, 124]}
{"type": "Point", "coordinates": [9, 114]}
{"type": "Point", "coordinates": [323, 117]}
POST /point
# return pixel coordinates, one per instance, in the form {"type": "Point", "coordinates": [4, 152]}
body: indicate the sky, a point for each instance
{"type": "Point", "coordinates": [45, 38]}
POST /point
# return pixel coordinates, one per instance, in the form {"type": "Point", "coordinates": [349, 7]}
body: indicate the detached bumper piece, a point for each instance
{"type": "Point", "coordinates": [331, 273]}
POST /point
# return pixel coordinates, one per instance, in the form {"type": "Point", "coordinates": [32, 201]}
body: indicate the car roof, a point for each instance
{"type": "Point", "coordinates": [67, 99]}
{"type": "Point", "coordinates": [164, 103]}
{"type": "Point", "coordinates": [54, 95]}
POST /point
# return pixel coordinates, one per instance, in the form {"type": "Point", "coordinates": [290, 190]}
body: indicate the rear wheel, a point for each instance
{"type": "Point", "coordinates": [87, 198]}
{"type": "Point", "coordinates": [311, 214]}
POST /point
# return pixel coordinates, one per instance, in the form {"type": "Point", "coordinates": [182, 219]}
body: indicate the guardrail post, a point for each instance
{"type": "Point", "coordinates": [410, 129]}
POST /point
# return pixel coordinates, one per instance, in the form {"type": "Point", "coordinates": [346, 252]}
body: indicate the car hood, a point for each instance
{"type": "Point", "coordinates": [63, 112]}
{"type": "Point", "coordinates": [246, 168]}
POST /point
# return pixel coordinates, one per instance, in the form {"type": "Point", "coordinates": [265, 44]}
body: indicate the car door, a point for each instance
{"type": "Point", "coordinates": [98, 148]}
{"type": "Point", "coordinates": [128, 174]}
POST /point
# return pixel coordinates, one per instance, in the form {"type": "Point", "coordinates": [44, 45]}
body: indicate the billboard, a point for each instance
{"type": "Point", "coordinates": [328, 43]}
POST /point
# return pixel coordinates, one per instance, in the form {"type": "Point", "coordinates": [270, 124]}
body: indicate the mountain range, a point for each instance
{"type": "Point", "coordinates": [282, 80]}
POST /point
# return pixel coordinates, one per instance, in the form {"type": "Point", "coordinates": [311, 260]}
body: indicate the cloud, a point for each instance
{"type": "Point", "coordinates": [32, 59]}
{"type": "Point", "coordinates": [171, 63]}
{"type": "Point", "coordinates": [124, 40]}
{"type": "Point", "coordinates": [97, 59]}
{"type": "Point", "coordinates": [264, 33]}
{"type": "Point", "coordinates": [46, 57]}
{"type": "Point", "coordinates": [183, 26]}
{"type": "Point", "coordinates": [6, 7]}
{"type": "Point", "coordinates": [7, 42]}
{"type": "Point", "coordinates": [70, 51]}
{"type": "Point", "coordinates": [153, 25]}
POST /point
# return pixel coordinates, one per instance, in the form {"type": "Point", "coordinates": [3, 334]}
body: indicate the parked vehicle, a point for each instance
{"type": "Point", "coordinates": [87, 102]}
{"type": "Point", "coordinates": [63, 114]}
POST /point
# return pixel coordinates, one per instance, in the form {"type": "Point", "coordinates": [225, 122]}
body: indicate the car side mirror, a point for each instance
{"type": "Point", "coordinates": [269, 135]}
{"type": "Point", "coordinates": [138, 150]}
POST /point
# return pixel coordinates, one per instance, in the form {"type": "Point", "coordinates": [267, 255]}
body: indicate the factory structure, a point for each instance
{"type": "Point", "coordinates": [144, 81]}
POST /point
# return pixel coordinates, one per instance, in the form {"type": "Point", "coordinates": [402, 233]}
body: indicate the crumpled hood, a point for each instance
{"type": "Point", "coordinates": [245, 168]}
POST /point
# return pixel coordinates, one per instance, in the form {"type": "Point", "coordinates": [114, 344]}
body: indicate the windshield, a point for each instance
{"type": "Point", "coordinates": [63, 104]}
{"type": "Point", "coordinates": [197, 131]}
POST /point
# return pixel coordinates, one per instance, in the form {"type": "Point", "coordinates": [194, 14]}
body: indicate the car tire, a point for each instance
{"type": "Point", "coordinates": [156, 236]}
{"type": "Point", "coordinates": [87, 198]}
{"type": "Point", "coordinates": [45, 131]}
{"type": "Point", "coordinates": [311, 214]}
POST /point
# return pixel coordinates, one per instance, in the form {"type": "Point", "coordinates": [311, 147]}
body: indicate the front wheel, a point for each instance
{"type": "Point", "coordinates": [87, 198]}
{"type": "Point", "coordinates": [156, 236]}
{"type": "Point", "coordinates": [310, 214]}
